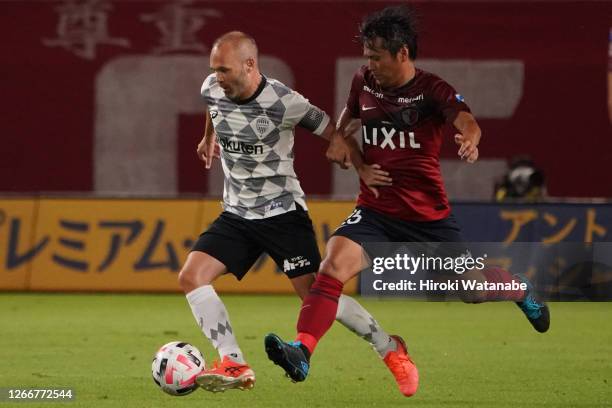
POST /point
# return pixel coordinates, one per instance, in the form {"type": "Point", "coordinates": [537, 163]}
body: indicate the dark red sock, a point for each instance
{"type": "Point", "coordinates": [499, 275]}
{"type": "Point", "coordinates": [318, 310]}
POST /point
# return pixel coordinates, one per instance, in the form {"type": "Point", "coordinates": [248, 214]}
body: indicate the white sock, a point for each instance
{"type": "Point", "coordinates": [211, 315]}
{"type": "Point", "coordinates": [355, 318]}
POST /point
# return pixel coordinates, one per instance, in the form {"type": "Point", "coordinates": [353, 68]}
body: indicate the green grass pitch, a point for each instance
{"type": "Point", "coordinates": [468, 355]}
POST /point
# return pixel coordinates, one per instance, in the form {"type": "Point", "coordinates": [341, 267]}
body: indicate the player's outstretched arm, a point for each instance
{"type": "Point", "coordinates": [338, 151]}
{"type": "Point", "coordinates": [207, 148]}
{"type": "Point", "coordinates": [343, 145]}
{"type": "Point", "coordinates": [468, 137]}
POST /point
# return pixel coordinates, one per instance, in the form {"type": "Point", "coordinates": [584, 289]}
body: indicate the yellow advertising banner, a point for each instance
{"type": "Point", "coordinates": [17, 245]}
{"type": "Point", "coordinates": [125, 244]}
{"type": "Point", "coordinates": [114, 245]}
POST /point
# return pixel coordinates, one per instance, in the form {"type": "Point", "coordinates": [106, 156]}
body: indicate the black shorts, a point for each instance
{"type": "Point", "coordinates": [366, 225]}
{"type": "Point", "coordinates": [237, 242]}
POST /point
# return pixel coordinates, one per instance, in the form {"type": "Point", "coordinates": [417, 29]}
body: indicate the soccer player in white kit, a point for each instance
{"type": "Point", "coordinates": [253, 118]}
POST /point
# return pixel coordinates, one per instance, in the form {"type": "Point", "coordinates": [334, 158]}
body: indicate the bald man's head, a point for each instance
{"type": "Point", "coordinates": [239, 42]}
{"type": "Point", "coordinates": [233, 59]}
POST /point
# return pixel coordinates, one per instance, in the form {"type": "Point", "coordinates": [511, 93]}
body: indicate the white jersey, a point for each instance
{"type": "Point", "coordinates": [256, 137]}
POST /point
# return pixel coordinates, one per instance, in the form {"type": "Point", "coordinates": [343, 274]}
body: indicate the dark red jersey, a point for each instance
{"type": "Point", "coordinates": [402, 131]}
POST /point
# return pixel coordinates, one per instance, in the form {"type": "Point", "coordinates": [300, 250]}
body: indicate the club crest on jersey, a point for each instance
{"type": "Point", "coordinates": [262, 124]}
{"type": "Point", "coordinates": [409, 116]}
{"type": "Point", "coordinates": [384, 138]}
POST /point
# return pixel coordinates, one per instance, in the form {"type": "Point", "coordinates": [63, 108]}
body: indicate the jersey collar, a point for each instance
{"type": "Point", "coordinates": [258, 91]}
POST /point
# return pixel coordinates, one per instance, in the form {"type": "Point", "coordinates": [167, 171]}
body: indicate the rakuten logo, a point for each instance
{"type": "Point", "coordinates": [235, 146]}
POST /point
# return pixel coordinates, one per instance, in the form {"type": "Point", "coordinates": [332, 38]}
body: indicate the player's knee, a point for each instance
{"type": "Point", "coordinates": [186, 279]}
{"type": "Point", "coordinates": [333, 269]}
{"type": "Point", "coordinates": [190, 279]}
{"type": "Point", "coordinates": [472, 296]}
{"type": "Point", "coordinates": [327, 268]}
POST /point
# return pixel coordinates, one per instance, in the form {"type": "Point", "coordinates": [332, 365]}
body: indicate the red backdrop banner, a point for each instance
{"type": "Point", "coordinates": [71, 69]}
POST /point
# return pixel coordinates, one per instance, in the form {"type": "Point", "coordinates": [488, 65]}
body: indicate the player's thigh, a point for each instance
{"type": "Point", "coordinates": [200, 269]}
{"type": "Point", "coordinates": [445, 230]}
{"type": "Point", "coordinates": [229, 242]}
{"type": "Point", "coordinates": [445, 240]}
{"type": "Point", "coordinates": [362, 226]}
{"type": "Point", "coordinates": [346, 254]}
{"type": "Point", "coordinates": [344, 259]}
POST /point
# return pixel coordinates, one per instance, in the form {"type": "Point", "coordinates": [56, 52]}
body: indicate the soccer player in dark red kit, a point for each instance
{"type": "Point", "coordinates": [403, 111]}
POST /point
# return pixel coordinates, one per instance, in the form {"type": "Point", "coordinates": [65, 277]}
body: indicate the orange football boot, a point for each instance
{"type": "Point", "coordinates": [227, 375]}
{"type": "Point", "coordinates": [403, 368]}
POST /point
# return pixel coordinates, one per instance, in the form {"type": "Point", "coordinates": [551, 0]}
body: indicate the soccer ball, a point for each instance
{"type": "Point", "coordinates": [176, 366]}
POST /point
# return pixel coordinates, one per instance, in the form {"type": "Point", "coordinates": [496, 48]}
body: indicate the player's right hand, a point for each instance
{"type": "Point", "coordinates": [207, 150]}
{"type": "Point", "coordinates": [373, 176]}
{"type": "Point", "coordinates": [338, 152]}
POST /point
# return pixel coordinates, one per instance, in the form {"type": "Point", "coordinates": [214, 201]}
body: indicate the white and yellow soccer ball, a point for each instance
{"type": "Point", "coordinates": [176, 366]}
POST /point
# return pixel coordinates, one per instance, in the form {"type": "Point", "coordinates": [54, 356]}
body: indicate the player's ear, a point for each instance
{"type": "Point", "coordinates": [404, 54]}
{"type": "Point", "coordinates": [250, 63]}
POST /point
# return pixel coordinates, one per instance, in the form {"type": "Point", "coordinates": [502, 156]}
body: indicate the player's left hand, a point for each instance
{"type": "Point", "coordinates": [374, 177]}
{"type": "Point", "coordinates": [468, 148]}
